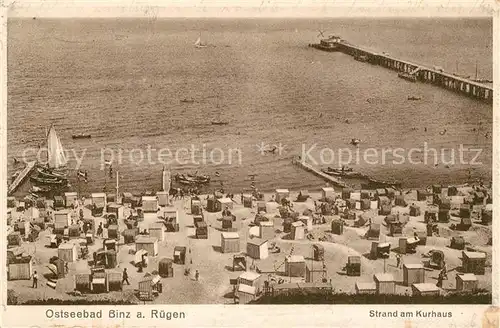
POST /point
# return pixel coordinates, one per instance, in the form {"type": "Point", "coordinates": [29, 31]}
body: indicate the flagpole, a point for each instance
{"type": "Point", "coordinates": [117, 186]}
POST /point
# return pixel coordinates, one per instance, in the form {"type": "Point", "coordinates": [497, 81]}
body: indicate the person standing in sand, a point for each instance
{"type": "Point", "coordinates": [35, 279]}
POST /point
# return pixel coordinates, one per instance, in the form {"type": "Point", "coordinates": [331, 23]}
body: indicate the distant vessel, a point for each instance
{"type": "Point", "coordinates": [220, 123]}
{"type": "Point", "coordinates": [199, 44]}
{"type": "Point", "coordinates": [186, 100]}
{"type": "Point", "coordinates": [81, 136]}
{"type": "Point", "coordinates": [413, 98]}
{"type": "Point", "coordinates": [191, 179]}
{"type": "Point", "coordinates": [329, 44]}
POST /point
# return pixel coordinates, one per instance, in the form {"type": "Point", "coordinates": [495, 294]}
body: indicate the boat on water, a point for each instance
{"type": "Point", "coordinates": [81, 136]}
{"type": "Point", "coordinates": [38, 180]}
{"type": "Point", "coordinates": [55, 171]}
{"type": "Point", "coordinates": [192, 179]}
{"type": "Point", "coordinates": [199, 44]}
{"type": "Point", "coordinates": [186, 100]}
{"type": "Point", "coordinates": [216, 122]}
{"type": "Point", "coordinates": [408, 77]}
{"type": "Point", "coordinates": [345, 173]}
{"type": "Point", "coordinates": [414, 98]}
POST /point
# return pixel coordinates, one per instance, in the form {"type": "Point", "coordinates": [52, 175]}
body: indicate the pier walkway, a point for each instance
{"type": "Point", "coordinates": [318, 173]}
{"type": "Point", "coordinates": [422, 73]}
{"type": "Point", "coordinates": [21, 177]}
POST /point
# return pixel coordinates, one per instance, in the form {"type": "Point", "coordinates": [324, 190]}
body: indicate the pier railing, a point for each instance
{"type": "Point", "coordinates": [433, 75]}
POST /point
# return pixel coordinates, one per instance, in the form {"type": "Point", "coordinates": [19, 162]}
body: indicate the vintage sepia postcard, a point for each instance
{"type": "Point", "coordinates": [281, 164]}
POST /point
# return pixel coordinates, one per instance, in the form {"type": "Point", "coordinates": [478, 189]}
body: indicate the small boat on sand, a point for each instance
{"type": "Point", "coordinates": [81, 136]}
{"type": "Point", "coordinates": [408, 77]}
{"type": "Point", "coordinates": [414, 98]}
{"type": "Point", "coordinates": [346, 172]}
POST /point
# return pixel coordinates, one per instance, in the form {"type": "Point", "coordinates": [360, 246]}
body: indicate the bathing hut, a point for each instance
{"type": "Point", "coordinates": [257, 248]}
{"type": "Point", "coordinates": [230, 242]}
{"type": "Point", "coordinates": [213, 204]}
{"type": "Point", "coordinates": [281, 194]}
{"type": "Point", "coordinates": [346, 193]}
{"type": "Point", "coordinates": [295, 266]}
{"type": "Point", "coordinates": [487, 214]}
{"type": "Point", "coordinates": [261, 206]}
{"type": "Point", "coordinates": [67, 252]}
{"type": "Point", "coordinates": [297, 230]}
{"type": "Point", "coordinates": [399, 200]}
{"type": "Point", "coordinates": [180, 254]}
{"type": "Point", "coordinates": [315, 273]}
{"type": "Point", "coordinates": [170, 215]}
{"type": "Point", "coordinates": [247, 201]}
{"type": "Point", "coordinates": [62, 219]}
{"type": "Point", "coordinates": [365, 204]}
{"type": "Point", "coordinates": [365, 194]}
{"type": "Point", "coordinates": [114, 281]}
{"type": "Point", "coordinates": [225, 203]}
{"type": "Point", "coordinates": [385, 283]}
{"type": "Point", "coordinates": [149, 204]}
{"type": "Point", "coordinates": [338, 227]}
{"type": "Point", "coordinates": [473, 262]}
{"type": "Point", "coordinates": [390, 192]}
{"type": "Point", "coordinates": [57, 266]}
{"type": "Point", "coordinates": [20, 269]}
{"type": "Point", "coordinates": [414, 210]}
{"type": "Point", "coordinates": [436, 189]}
{"type": "Point", "coordinates": [113, 232]}
{"type": "Point", "coordinates": [129, 236]}
{"type": "Point", "coordinates": [424, 289]}
{"type": "Point", "coordinates": [156, 230]}
{"type": "Point", "coordinates": [82, 282]}
{"type": "Point", "coordinates": [59, 202]}
{"type": "Point", "coordinates": [14, 239]}
{"type": "Point", "coordinates": [246, 294]}
{"type": "Point", "coordinates": [70, 198]}
{"type": "Point", "coordinates": [74, 231]}
{"type": "Point", "coordinates": [444, 215]}
{"type": "Point", "coordinates": [318, 252]}
{"type": "Point", "coordinates": [201, 230]}
{"type": "Point", "coordinates": [407, 245]}
{"type": "Point", "coordinates": [452, 191]}
{"type": "Point", "coordinates": [396, 228]}
{"type": "Point", "coordinates": [162, 198]}
{"type": "Point", "coordinates": [32, 213]}
{"type": "Point", "coordinates": [373, 231]}
{"type": "Point", "coordinates": [381, 192]}
{"type": "Point", "coordinates": [307, 221]}
{"type": "Point", "coordinates": [148, 244]}
{"type": "Point", "coordinates": [266, 230]}
{"type": "Point", "coordinates": [353, 266]}
{"type": "Point", "coordinates": [363, 288]}
{"type": "Point", "coordinates": [128, 199]}
{"type": "Point", "coordinates": [413, 274]}
{"type": "Point", "coordinates": [380, 250]}
{"type": "Point", "coordinates": [116, 210]}
{"type": "Point", "coordinates": [165, 268]}
{"type": "Point", "coordinates": [431, 214]}
{"type": "Point", "coordinates": [227, 222]}
{"type": "Point", "coordinates": [98, 200]}
{"type": "Point", "coordinates": [384, 209]}
{"type": "Point", "coordinates": [196, 207]}
{"type": "Point", "coordinates": [110, 245]}
{"type": "Point", "coordinates": [423, 195]}
{"type": "Point", "coordinates": [466, 282]}
{"type": "Point", "coordinates": [327, 193]}
{"type": "Point", "coordinates": [11, 202]}
{"type": "Point", "coordinates": [252, 279]}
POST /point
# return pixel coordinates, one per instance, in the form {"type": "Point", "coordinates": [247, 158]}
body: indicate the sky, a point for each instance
{"type": "Point", "coordinates": [251, 8]}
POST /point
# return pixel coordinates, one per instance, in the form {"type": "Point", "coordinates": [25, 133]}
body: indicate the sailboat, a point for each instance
{"type": "Point", "coordinates": [55, 171]}
{"type": "Point", "coordinates": [477, 79]}
{"type": "Point", "coordinates": [199, 44]}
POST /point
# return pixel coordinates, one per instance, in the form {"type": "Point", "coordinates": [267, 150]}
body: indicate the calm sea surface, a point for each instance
{"type": "Point", "coordinates": [122, 80]}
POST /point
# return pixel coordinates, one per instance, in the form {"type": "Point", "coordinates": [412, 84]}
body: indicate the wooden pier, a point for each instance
{"type": "Point", "coordinates": [434, 75]}
{"type": "Point", "coordinates": [21, 177]}
{"type": "Point", "coordinates": [318, 173]}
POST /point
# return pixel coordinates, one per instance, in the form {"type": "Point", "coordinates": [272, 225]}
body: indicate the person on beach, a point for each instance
{"type": "Point", "coordinates": [35, 279]}
{"type": "Point", "coordinates": [125, 276]}
{"type": "Point", "coordinates": [398, 261]}
{"type": "Point", "coordinates": [197, 275]}
{"type": "Point", "coordinates": [99, 230]}
{"type": "Point", "coordinates": [440, 281]}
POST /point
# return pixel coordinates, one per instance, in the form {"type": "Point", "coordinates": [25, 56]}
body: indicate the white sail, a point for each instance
{"type": "Point", "coordinates": [56, 157]}
{"type": "Point", "coordinates": [198, 42]}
